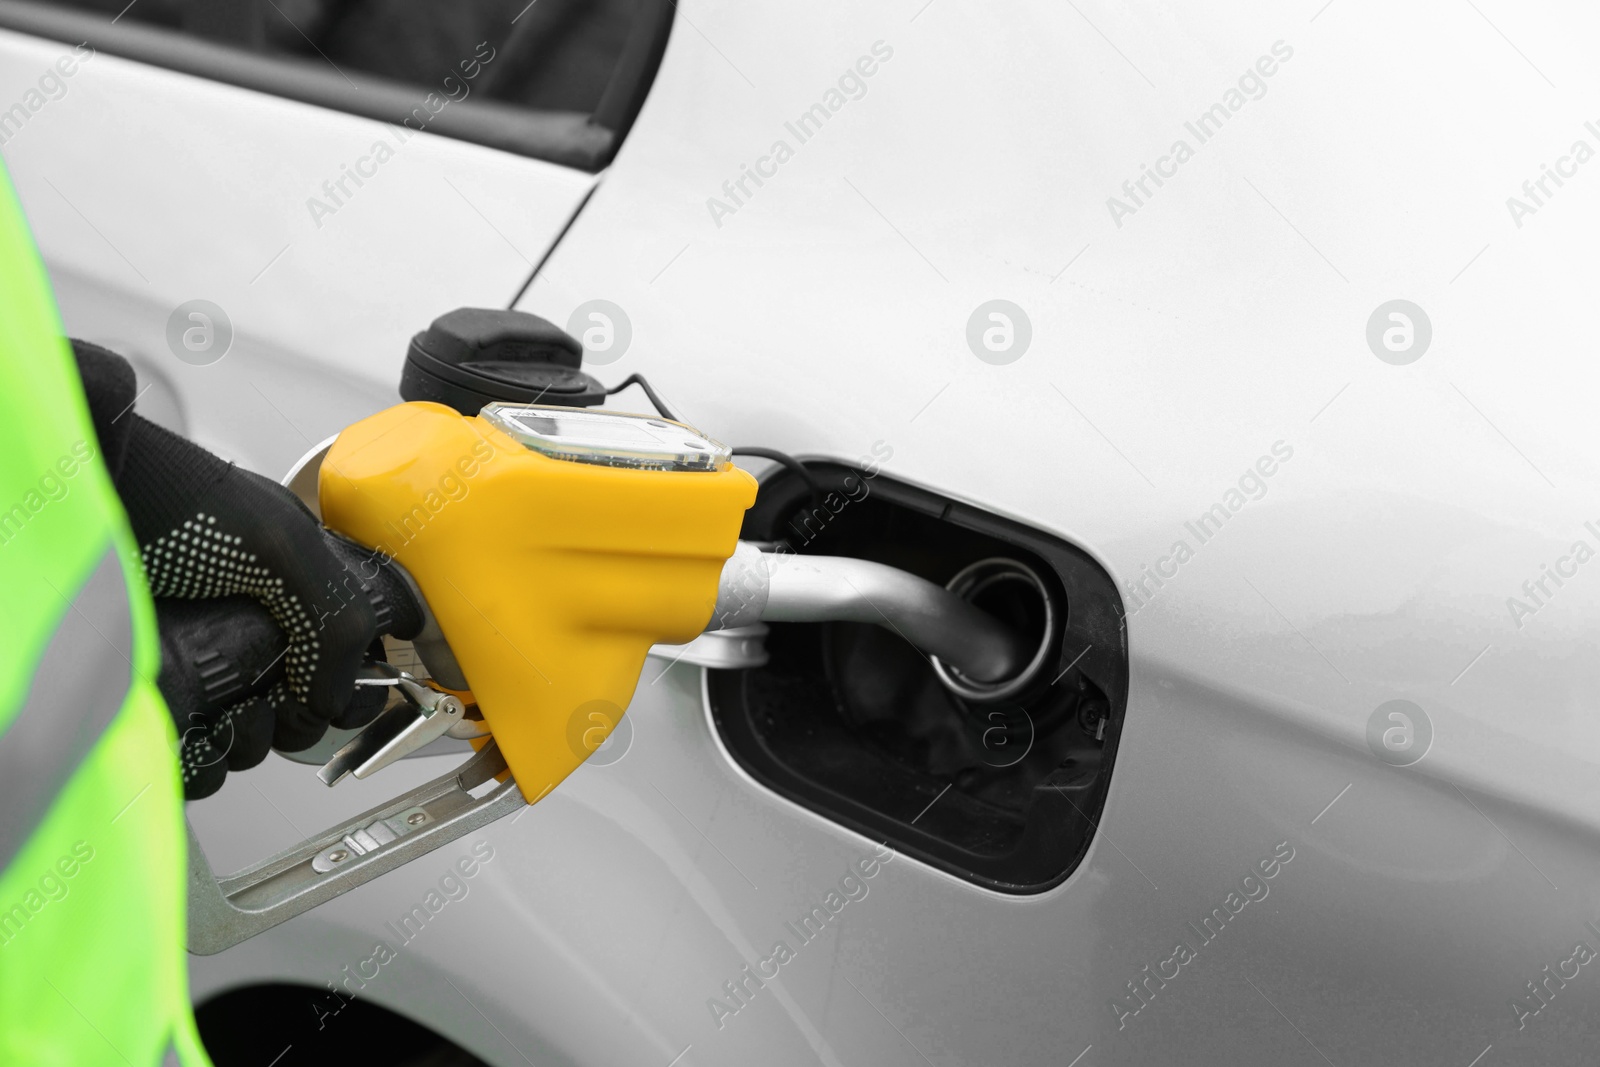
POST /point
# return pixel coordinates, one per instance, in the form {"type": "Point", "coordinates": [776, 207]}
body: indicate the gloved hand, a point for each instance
{"type": "Point", "coordinates": [210, 531]}
{"type": "Point", "coordinates": [222, 672]}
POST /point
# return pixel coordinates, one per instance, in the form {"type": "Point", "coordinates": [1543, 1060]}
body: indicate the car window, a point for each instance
{"type": "Point", "coordinates": [558, 79]}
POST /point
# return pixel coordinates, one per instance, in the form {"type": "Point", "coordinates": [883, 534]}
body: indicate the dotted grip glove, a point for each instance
{"type": "Point", "coordinates": [210, 531]}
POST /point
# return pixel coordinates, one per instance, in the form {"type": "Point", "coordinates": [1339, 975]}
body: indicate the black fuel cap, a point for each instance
{"type": "Point", "coordinates": [471, 356]}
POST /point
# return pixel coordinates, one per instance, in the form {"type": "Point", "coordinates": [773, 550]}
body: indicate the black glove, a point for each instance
{"type": "Point", "coordinates": [211, 531]}
{"type": "Point", "coordinates": [222, 672]}
{"type": "Point", "coordinates": [217, 659]}
{"type": "Point", "coordinates": [222, 679]}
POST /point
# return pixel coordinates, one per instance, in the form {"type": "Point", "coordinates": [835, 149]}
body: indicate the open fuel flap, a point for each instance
{"type": "Point", "coordinates": [1003, 785]}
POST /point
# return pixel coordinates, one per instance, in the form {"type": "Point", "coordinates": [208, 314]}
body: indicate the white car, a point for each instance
{"type": "Point", "coordinates": [1261, 332]}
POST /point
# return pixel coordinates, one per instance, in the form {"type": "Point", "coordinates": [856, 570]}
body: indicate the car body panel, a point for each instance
{"type": "Point", "coordinates": [1169, 353]}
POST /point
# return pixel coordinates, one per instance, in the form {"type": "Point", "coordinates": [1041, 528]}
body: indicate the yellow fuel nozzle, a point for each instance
{"type": "Point", "coordinates": [553, 555]}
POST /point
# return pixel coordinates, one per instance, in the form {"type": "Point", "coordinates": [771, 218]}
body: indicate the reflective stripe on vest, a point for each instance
{"type": "Point", "coordinates": [78, 688]}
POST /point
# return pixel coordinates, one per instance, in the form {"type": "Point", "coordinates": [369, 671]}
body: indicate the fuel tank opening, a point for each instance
{"type": "Point", "coordinates": [1015, 594]}
{"type": "Point", "coordinates": [850, 718]}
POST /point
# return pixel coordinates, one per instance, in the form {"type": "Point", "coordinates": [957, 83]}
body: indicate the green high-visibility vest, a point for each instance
{"type": "Point", "coordinates": [92, 872]}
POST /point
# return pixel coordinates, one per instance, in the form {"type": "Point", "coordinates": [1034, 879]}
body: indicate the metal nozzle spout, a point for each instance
{"type": "Point", "coordinates": [762, 586]}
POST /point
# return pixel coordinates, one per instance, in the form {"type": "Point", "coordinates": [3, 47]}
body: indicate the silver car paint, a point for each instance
{"type": "Point", "coordinates": [1226, 314]}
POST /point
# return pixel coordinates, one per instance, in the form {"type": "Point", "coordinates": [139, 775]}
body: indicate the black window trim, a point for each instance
{"type": "Point", "coordinates": [572, 139]}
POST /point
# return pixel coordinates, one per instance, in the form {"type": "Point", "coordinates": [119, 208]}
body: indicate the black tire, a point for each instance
{"type": "Point", "coordinates": [309, 1027]}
